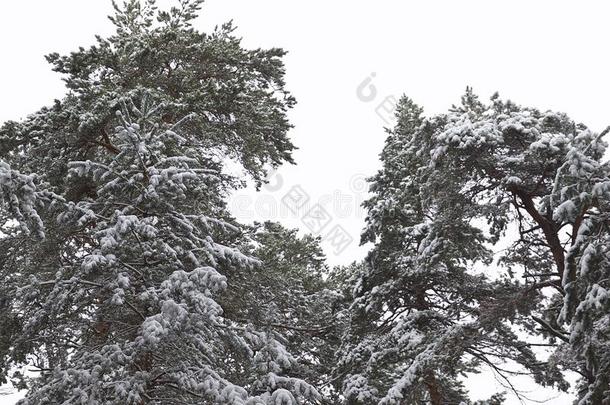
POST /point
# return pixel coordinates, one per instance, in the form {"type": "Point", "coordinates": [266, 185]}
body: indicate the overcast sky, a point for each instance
{"type": "Point", "coordinates": [347, 62]}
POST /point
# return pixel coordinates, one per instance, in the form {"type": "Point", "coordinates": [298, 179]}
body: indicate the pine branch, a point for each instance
{"type": "Point", "coordinates": [557, 333]}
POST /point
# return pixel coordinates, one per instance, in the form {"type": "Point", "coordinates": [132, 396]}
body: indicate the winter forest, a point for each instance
{"type": "Point", "coordinates": [125, 277]}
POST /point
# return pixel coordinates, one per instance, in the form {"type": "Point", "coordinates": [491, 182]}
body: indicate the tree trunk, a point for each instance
{"type": "Point", "coordinates": [432, 384]}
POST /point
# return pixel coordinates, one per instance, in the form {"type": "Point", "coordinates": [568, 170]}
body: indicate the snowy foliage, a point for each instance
{"type": "Point", "coordinates": [125, 280]}
{"type": "Point", "coordinates": [453, 186]}
{"type": "Point", "coordinates": [141, 286]}
{"type": "Point", "coordinates": [21, 197]}
{"type": "Point", "coordinates": [119, 254]}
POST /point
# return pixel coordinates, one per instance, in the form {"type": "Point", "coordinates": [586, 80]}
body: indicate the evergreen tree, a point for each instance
{"type": "Point", "coordinates": [288, 297]}
{"type": "Point", "coordinates": [118, 250]}
{"type": "Point", "coordinates": [125, 280]}
{"type": "Point", "coordinates": [453, 188]}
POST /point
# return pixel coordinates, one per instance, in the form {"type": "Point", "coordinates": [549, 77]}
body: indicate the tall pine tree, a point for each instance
{"type": "Point", "coordinates": [454, 188]}
{"type": "Point", "coordinates": [117, 246]}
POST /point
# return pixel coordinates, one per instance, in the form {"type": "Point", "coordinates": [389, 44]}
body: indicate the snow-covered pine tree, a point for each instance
{"type": "Point", "coordinates": [580, 201]}
{"type": "Point", "coordinates": [289, 297]}
{"type": "Point", "coordinates": [453, 189]}
{"type": "Point", "coordinates": [117, 246]}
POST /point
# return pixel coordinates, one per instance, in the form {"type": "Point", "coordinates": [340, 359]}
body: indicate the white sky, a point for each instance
{"type": "Point", "coordinates": [548, 54]}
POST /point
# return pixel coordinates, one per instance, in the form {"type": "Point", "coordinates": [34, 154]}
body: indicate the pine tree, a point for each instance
{"type": "Point", "coordinates": [289, 297]}
{"type": "Point", "coordinates": [430, 303]}
{"type": "Point", "coordinates": [118, 250]}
